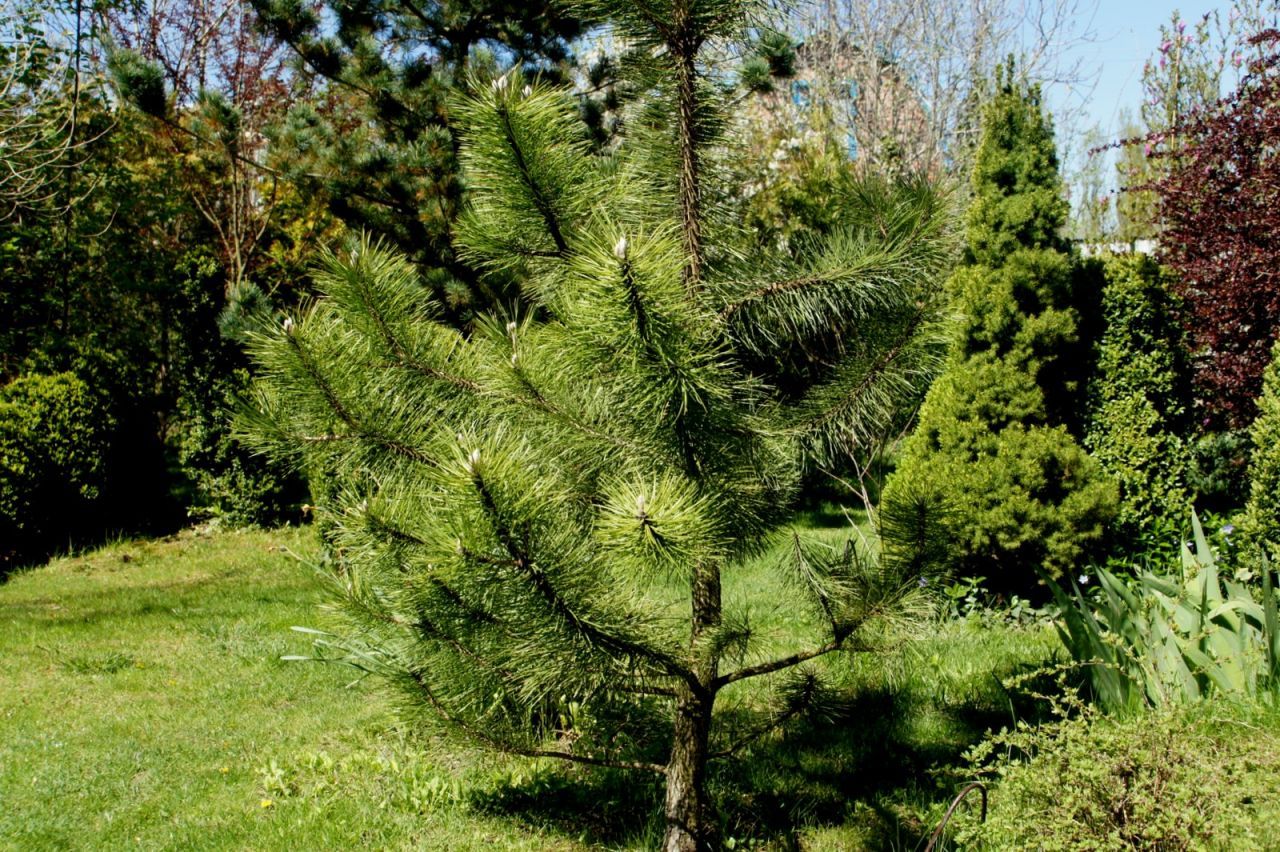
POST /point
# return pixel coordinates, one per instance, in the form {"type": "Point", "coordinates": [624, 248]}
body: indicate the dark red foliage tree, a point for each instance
{"type": "Point", "coordinates": [1220, 205]}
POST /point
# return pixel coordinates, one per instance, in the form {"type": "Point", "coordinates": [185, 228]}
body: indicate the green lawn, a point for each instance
{"type": "Point", "coordinates": [143, 704]}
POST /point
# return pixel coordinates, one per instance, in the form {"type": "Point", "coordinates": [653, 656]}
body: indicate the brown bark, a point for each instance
{"type": "Point", "coordinates": [691, 822]}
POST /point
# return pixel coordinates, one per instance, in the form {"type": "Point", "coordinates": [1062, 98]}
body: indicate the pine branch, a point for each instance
{"type": "Point", "coordinates": [842, 631]}
{"type": "Point", "coordinates": [796, 708]}
{"type": "Point", "coordinates": [344, 414]}
{"type": "Point", "coordinates": [848, 398]}
{"type": "Point", "coordinates": [823, 598]}
{"type": "Point", "coordinates": [780, 664]}
{"type": "Point", "coordinates": [401, 353]}
{"type": "Point", "coordinates": [540, 200]}
{"type": "Point", "coordinates": [541, 583]}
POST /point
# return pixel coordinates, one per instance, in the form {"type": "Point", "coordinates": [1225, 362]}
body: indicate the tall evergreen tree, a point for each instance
{"type": "Point", "coordinates": [380, 144]}
{"type": "Point", "coordinates": [993, 462]}
{"type": "Point", "coordinates": [538, 520]}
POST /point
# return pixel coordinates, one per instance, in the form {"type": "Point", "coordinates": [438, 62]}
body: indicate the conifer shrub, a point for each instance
{"type": "Point", "coordinates": [1136, 411]}
{"type": "Point", "coordinates": [55, 436]}
{"type": "Point", "coordinates": [1262, 513]}
{"type": "Point", "coordinates": [995, 454]}
{"type": "Point", "coordinates": [1011, 492]}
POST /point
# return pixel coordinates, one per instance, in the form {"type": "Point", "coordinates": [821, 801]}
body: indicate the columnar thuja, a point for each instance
{"type": "Point", "coordinates": [540, 516]}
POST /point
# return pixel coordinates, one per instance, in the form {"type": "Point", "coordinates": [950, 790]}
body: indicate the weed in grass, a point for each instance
{"type": "Point", "coordinates": [92, 664]}
{"type": "Point", "coordinates": [248, 642]}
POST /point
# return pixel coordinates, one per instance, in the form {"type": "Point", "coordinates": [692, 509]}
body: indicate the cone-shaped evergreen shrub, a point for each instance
{"type": "Point", "coordinates": [993, 465]}
{"type": "Point", "coordinates": [1135, 408]}
{"type": "Point", "coordinates": [1262, 513]}
{"type": "Point", "coordinates": [536, 520]}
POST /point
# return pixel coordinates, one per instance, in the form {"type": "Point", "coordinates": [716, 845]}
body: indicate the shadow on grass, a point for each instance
{"type": "Point", "coordinates": [600, 807]}
{"type": "Point", "coordinates": [865, 767]}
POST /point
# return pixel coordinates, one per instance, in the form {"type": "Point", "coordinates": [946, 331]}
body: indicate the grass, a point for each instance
{"type": "Point", "coordinates": [143, 704]}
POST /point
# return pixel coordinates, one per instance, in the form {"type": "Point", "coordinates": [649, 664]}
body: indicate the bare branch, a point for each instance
{"type": "Point", "coordinates": [778, 665]}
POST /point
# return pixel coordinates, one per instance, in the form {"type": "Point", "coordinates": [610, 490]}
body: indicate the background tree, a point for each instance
{"type": "Point", "coordinates": [208, 87]}
{"type": "Point", "coordinates": [1218, 207]}
{"type": "Point", "coordinates": [124, 286]}
{"type": "Point", "coordinates": [1187, 75]}
{"type": "Point", "coordinates": [1089, 193]}
{"type": "Point", "coordinates": [906, 76]}
{"type": "Point", "coordinates": [214, 85]}
{"type": "Point", "coordinates": [378, 144]}
{"type": "Point", "coordinates": [40, 93]}
{"type": "Point", "coordinates": [994, 457]}
{"type": "Point", "coordinates": [1136, 209]}
{"type": "Point", "coordinates": [546, 518]}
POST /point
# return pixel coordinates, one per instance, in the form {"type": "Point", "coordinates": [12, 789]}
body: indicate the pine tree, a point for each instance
{"type": "Point", "coordinates": [537, 520]}
{"type": "Point", "coordinates": [993, 463]}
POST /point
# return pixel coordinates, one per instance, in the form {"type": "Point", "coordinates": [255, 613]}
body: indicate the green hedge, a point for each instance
{"type": "Point", "coordinates": [1135, 402]}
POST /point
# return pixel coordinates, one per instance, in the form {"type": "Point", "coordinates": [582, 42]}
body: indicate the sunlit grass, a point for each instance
{"type": "Point", "coordinates": [144, 704]}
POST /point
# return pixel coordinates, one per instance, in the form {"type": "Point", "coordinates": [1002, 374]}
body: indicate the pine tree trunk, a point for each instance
{"type": "Point", "coordinates": [691, 823]}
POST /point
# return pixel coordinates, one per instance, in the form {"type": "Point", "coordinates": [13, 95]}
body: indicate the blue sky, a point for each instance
{"type": "Point", "coordinates": [1126, 33]}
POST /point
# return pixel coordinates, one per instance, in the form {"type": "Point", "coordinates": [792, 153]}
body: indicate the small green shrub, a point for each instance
{"type": "Point", "coordinates": [55, 435]}
{"type": "Point", "coordinates": [1134, 401]}
{"type": "Point", "coordinates": [1262, 513]}
{"type": "Point", "coordinates": [1204, 777]}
